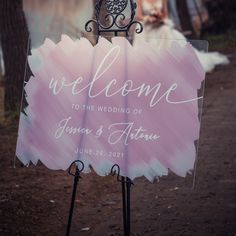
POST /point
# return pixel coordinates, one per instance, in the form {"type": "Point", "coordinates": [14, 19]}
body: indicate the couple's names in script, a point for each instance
{"type": "Point", "coordinates": [123, 132]}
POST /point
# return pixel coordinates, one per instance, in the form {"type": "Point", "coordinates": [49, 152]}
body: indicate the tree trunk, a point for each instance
{"type": "Point", "coordinates": [14, 39]}
{"type": "Point", "coordinates": [184, 17]}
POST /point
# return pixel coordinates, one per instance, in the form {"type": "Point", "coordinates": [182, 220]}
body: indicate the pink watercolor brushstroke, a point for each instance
{"type": "Point", "coordinates": [177, 124]}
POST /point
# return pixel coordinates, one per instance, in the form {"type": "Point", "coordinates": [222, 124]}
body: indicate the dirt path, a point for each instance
{"type": "Point", "coordinates": [35, 200]}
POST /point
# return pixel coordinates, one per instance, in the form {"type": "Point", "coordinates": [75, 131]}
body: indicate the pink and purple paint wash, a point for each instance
{"type": "Point", "coordinates": [112, 103]}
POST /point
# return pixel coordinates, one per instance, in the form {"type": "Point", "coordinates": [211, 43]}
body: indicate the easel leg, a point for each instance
{"type": "Point", "coordinates": [126, 185]}
{"type": "Point", "coordinates": [124, 204]}
{"type": "Point", "coordinates": [76, 181]}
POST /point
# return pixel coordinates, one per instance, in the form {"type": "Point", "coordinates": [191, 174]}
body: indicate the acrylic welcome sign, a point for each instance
{"type": "Point", "coordinates": [112, 103]}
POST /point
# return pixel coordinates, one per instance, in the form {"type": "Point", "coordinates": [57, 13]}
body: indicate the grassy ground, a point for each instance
{"type": "Point", "coordinates": [222, 42]}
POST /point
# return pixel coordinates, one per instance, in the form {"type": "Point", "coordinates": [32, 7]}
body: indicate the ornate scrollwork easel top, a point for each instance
{"type": "Point", "coordinates": [118, 17]}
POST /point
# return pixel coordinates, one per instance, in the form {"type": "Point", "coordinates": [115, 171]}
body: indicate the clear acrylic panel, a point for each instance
{"type": "Point", "coordinates": [136, 103]}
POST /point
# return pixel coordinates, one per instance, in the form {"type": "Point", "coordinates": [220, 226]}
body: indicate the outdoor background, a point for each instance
{"type": "Point", "coordinates": [35, 200]}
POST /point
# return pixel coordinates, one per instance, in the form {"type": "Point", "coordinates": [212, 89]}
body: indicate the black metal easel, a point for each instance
{"type": "Point", "coordinates": [79, 166]}
{"type": "Point", "coordinates": [126, 184]}
{"type": "Point", "coordinates": [112, 21]}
